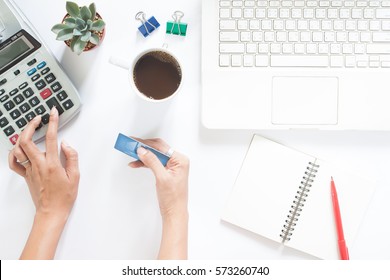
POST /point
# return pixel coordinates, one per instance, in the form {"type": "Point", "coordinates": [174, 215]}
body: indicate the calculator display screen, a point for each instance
{"type": "Point", "coordinates": [13, 51]}
{"type": "Point", "coordinates": [16, 48]}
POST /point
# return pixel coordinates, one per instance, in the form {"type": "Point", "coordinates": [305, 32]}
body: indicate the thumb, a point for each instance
{"type": "Point", "coordinates": [72, 161]}
{"type": "Point", "coordinates": [150, 160]}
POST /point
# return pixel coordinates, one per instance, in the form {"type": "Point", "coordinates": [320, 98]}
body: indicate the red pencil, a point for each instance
{"type": "Point", "coordinates": [339, 225]}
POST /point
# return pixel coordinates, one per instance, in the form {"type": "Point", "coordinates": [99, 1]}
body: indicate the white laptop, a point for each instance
{"type": "Point", "coordinates": [296, 64]}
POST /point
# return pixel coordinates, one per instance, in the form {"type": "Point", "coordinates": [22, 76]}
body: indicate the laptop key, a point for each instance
{"type": "Point", "coordinates": [231, 48]}
{"type": "Point", "coordinates": [228, 36]}
{"type": "Point", "coordinates": [383, 13]}
{"type": "Point", "coordinates": [378, 48]}
{"type": "Point", "coordinates": [236, 60]}
{"type": "Point", "coordinates": [261, 60]}
{"type": "Point", "coordinates": [299, 61]}
{"type": "Point", "coordinates": [227, 25]}
{"type": "Point", "coordinates": [224, 60]}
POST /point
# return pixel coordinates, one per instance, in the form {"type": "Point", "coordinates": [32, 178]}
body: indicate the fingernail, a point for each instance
{"type": "Point", "coordinates": [65, 143]}
{"type": "Point", "coordinates": [53, 111]}
{"type": "Point", "coordinates": [37, 118]}
{"type": "Point", "coordinates": [141, 151]}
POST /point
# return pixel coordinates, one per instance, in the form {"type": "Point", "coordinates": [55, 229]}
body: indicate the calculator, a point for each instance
{"type": "Point", "coordinates": [31, 79]}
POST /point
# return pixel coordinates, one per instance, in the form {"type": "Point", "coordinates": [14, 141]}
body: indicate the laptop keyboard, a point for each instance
{"type": "Point", "coordinates": [343, 34]}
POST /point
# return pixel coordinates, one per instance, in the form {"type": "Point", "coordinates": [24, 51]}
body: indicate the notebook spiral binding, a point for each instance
{"type": "Point", "coordinates": [299, 201]}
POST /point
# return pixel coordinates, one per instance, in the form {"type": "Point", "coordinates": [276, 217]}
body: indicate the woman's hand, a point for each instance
{"type": "Point", "coordinates": [53, 187]}
{"type": "Point", "coordinates": [172, 193]}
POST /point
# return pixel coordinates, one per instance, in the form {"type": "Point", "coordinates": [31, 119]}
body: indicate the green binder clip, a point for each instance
{"type": "Point", "coordinates": [176, 27]}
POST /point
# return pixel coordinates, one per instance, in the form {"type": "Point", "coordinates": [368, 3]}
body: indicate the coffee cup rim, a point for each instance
{"type": "Point", "coordinates": [131, 74]}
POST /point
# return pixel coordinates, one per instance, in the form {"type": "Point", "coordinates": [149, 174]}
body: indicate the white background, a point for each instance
{"type": "Point", "coordinates": [116, 215]}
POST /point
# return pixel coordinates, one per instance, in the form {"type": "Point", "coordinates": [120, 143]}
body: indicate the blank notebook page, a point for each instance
{"type": "Point", "coordinates": [267, 184]}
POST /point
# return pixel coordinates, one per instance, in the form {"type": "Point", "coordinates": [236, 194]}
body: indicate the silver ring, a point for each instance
{"type": "Point", "coordinates": [170, 152]}
{"type": "Point", "coordinates": [24, 163]}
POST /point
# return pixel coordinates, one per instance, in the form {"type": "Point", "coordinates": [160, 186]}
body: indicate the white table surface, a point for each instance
{"type": "Point", "coordinates": [116, 215]}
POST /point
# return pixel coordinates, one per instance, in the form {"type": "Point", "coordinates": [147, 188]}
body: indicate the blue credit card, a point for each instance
{"type": "Point", "coordinates": [129, 146]}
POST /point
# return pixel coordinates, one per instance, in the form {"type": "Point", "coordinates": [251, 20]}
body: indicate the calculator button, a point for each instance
{"type": "Point", "coordinates": [50, 78]}
{"type": "Point", "coordinates": [34, 101]}
{"type": "Point", "coordinates": [14, 139]}
{"type": "Point", "coordinates": [4, 98]}
{"type": "Point", "coordinates": [1, 113]}
{"type": "Point", "coordinates": [53, 102]}
{"type": "Point", "coordinates": [28, 93]}
{"type": "Point", "coordinates": [24, 108]}
{"type": "Point", "coordinates": [35, 77]}
{"type": "Point", "coordinates": [21, 123]}
{"type": "Point", "coordinates": [18, 99]}
{"type": "Point", "coordinates": [68, 104]}
{"type": "Point", "coordinates": [41, 65]}
{"type": "Point", "coordinates": [56, 86]}
{"type": "Point", "coordinates": [15, 114]}
{"type": "Point", "coordinates": [2, 92]}
{"type": "Point", "coordinates": [9, 105]}
{"type": "Point", "coordinates": [9, 131]}
{"type": "Point", "coordinates": [3, 81]}
{"type": "Point", "coordinates": [46, 93]}
{"type": "Point", "coordinates": [30, 116]}
{"type": "Point", "coordinates": [45, 119]}
{"type": "Point", "coordinates": [40, 110]}
{"type": "Point", "coordinates": [3, 122]}
{"type": "Point", "coordinates": [31, 72]}
{"type": "Point", "coordinates": [62, 95]}
{"type": "Point", "coordinates": [24, 85]}
{"type": "Point", "coordinates": [13, 92]}
{"type": "Point", "coordinates": [40, 84]}
{"type": "Point", "coordinates": [32, 62]}
{"type": "Point", "coordinates": [16, 72]}
{"type": "Point", "coordinates": [45, 71]}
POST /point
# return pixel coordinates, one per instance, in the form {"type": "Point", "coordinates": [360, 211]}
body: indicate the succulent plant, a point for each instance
{"type": "Point", "coordinates": [79, 27]}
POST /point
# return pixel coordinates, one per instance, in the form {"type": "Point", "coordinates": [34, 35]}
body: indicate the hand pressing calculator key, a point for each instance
{"type": "Point", "coordinates": [31, 80]}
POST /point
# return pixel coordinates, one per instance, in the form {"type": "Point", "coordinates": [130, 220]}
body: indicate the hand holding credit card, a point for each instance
{"type": "Point", "coordinates": [129, 146]}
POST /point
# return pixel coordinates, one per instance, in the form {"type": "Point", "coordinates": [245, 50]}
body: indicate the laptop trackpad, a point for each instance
{"type": "Point", "coordinates": [305, 100]}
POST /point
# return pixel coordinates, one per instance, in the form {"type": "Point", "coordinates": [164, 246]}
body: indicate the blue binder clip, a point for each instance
{"type": "Point", "coordinates": [176, 27]}
{"type": "Point", "coordinates": [148, 26]}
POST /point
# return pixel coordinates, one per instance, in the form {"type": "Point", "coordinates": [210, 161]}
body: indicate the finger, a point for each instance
{"type": "Point", "coordinates": [26, 143]}
{"type": "Point", "coordinates": [136, 164]}
{"type": "Point", "coordinates": [178, 159]}
{"type": "Point", "coordinates": [72, 161]}
{"type": "Point", "coordinates": [21, 157]}
{"type": "Point", "coordinates": [19, 154]}
{"type": "Point", "coordinates": [155, 143]}
{"type": "Point", "coordinates": [14, 165]}
{"type": "Point", "coordinates": [51, 136]}
{"type": "Point", "coordinates": [150, 160]}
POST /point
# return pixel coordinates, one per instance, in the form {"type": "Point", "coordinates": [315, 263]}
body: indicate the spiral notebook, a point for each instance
{"type": "Point", "coordinates": [284, 195]}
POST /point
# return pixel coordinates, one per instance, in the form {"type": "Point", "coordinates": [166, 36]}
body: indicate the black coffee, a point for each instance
{"type": "Point", "coordinates": [157, 75]}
